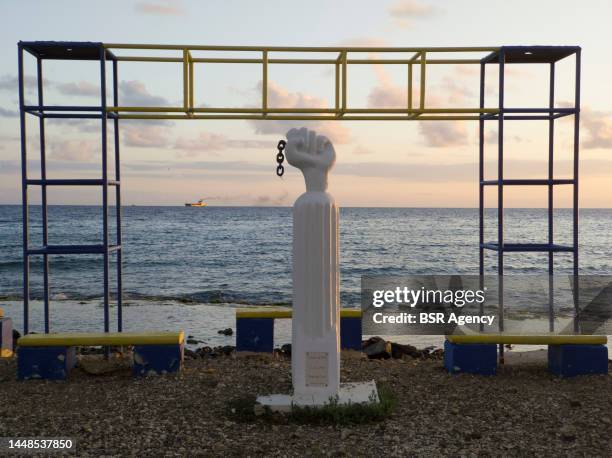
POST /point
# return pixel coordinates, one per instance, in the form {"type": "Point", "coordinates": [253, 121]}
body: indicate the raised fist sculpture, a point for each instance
{"type": "Point", "coordinates": [313, 154]}
{"type": "Point", "coordinates": [315, 351]}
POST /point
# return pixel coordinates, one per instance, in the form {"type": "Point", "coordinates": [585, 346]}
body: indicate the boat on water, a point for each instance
{"type": "Point", "coordinates": [199, 203]}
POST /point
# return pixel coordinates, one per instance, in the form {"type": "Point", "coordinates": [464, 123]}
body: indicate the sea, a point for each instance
{"type": "Point", "coordinates": [191, 267]}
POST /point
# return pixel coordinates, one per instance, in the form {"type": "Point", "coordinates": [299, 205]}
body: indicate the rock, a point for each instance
{"type": "Point", "coordinates": [190, 354]}
{"type": "Point", "coordinates": [226, 332]}
{"type": "Point", "coordinates": [568, 434]}
{"type": "Point", "coordinates": [202, 352]}
{"type": "Point", "coordinates": [193, 341]}
{"type": "Point", "coordinates": [226, 350]}
{"type": "Point", "coordinates": [378, 350]}
{"type": "Point", "coordinates": [399, 350]}
{"type": "Point", "coordinates": [286, 349]}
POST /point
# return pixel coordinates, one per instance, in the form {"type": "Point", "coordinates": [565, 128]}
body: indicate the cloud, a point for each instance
{"type": "Point", "coordinates": [163, 8]}
{"type": "Point", "coordinates": [404, 11]}
{"type": "Point", "coordinates": [11, 83]}
{"type": "Point", "coordinates": [144, 136]}
{"type": "Point", "coordinates": [361, 151]}
{"type": "Point", "coordinates": [79, 88]}
{"type": "Point", "coordinates": [279, 97]}
{"type": "Point", "coordinates": [4, 113]}
{"type": "Point", "coordinates": [134, 93]}
{"type": "Point", "coordinates": [443, 133]}
{"type": "Point", "coordinates": [598, 127]}
{"type": "Point", "coordinates": [207, 142]}
{"type": "Point", "coordinates": [74, 150]}
{"type": "Point", "coordinates": [272, 201]}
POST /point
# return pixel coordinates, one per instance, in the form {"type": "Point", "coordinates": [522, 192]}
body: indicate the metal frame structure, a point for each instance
{"type": "Point", "coordinates": [416, 61]}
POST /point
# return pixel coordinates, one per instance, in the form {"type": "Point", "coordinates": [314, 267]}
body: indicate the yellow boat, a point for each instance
{"type": "Point", "coordinates": [199, 203]}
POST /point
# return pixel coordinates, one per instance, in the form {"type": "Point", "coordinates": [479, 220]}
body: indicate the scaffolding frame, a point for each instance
{"type": "Point", "coordinates": [416, 109]}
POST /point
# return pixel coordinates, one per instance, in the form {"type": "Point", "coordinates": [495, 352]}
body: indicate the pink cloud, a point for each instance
{"type": "Point", "coordinates": [163, 8]}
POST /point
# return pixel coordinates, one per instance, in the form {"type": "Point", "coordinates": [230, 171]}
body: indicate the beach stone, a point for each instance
{"type": "Point", "coordinates": [399, 350]}
{"type": "Point", "coordinates": [226, 332]}
{"type": "Point", "coordinates": [378, 350]}
{"type": "Point", "coordinates": [286, 349]}
{"type": "Point", "coordinates": [190, 354]}
{"type": "Point", "coordinates": [193, 341]}
{"type": "Point", "coordinates": [568, 434]}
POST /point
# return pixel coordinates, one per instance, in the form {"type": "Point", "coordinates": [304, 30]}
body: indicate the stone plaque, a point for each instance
{"type": "Point", "coordinates": [316, 369]}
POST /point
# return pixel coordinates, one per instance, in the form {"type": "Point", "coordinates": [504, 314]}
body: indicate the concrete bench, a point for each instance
{"type": "Point", "coordinates": [255, 328]}
{"type": "Point", "coordinates": [568, 355]}
{"type": "Point", "coordinates": [52, 356]}
{"type": "Point", "coordinates": [6, 336]}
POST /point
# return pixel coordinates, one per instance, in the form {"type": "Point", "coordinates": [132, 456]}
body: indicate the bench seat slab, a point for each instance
{"type": "Point", "coordinates": [50, 363]}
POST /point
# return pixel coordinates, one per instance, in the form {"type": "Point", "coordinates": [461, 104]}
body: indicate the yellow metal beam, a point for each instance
{"type": "Point", "coordinates": [305, 117]}
{"type": "Point", "coordinates": [264, 86]}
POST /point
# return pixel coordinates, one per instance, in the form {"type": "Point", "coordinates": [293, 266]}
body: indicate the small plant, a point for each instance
{"type": "Point", "coordinates": [242, 410]}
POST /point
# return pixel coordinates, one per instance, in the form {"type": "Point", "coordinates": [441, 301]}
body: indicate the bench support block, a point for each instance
{"type": "Point", "coordinates": [50, 363]}
{"type": "Point", "coordinates": [350, 333]}
{"type": "Point", "coordinates": [157, 359]}
{"type": "Point", "coordinates": [255, 334]}
{"type": "Point", "coordinates": [478, 359]}
{"type": "Point", "coordinates": [6, 338]}
{"type": "Point", "coordinates": [571, 360]}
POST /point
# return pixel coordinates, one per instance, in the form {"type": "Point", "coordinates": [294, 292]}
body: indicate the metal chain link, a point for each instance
{"type": "Point", "coordinates": [280, 157]}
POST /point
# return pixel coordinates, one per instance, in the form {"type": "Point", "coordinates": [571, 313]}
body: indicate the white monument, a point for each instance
{"type": "Point", "coordinates": [315, 349]}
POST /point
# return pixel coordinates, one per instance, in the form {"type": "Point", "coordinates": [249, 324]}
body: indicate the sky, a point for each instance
{"type": "Point", "coordinates": [391, 163]}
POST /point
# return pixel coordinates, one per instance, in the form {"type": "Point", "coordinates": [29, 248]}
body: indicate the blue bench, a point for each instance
{"type": "Point", "coordinates": [52, 356]}
{"type": "Point", "coordinates": [568, 355]}
{"type": "Point", "coordinates": [6, 336]}
{"type": "Point", "coordinates": [255, 328]}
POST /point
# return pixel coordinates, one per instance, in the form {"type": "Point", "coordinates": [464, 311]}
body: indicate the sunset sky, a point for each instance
{"type": "Point", "coordinates": [391, 163]}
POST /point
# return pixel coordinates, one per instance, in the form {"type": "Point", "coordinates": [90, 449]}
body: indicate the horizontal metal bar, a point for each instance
{"type": "Point", "coordinates": [71, 182]}
{"type": "Point", "coordinates": [539, 110]}
{"type": "Point", "coordinates": [526, 182]}
{"type": "Point", "coordinates": [528, 247]}
{"type": "Point", "coordinates": [61, 108]}
{"type": "Point", "coordinates": [223, 60]}
{"type": "Point", "coordinates": [305, 117]}
{"type": "Point", "coordinates": [299, 49]}
{"type": "Point", "coordinates": [72, 249]}
{"type": "Point", "coordinates": [304, 110]}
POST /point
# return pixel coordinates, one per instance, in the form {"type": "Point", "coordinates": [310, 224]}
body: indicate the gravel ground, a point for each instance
{"type": "Point", "coordinates": [522, 411]}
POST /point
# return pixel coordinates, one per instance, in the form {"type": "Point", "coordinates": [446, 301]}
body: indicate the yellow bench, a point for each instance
{"type": "Point", "coordinates": [568, 355]}
{"type": "Point", "coordinates": [255, 328]}
{"type": "Point", "coordinates": [528, 339]}
{"type": "Point", "coordinates": [52, 356]}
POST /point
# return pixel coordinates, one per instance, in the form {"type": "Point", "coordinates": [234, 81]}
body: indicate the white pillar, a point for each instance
{"type": "Point", "coordinates": [315, 351]}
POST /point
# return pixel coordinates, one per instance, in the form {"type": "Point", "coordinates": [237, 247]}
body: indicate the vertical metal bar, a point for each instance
{"type": "Point", "coordinates": [422, 91]}
{"type": "Point", "coordinates": [575, 197]}
{"type": "Point", "coordinates": [551, 142]}
{"type": "Point", "coordinates": [500, 198]}
{"type": "Point", "coordinates": [118, 200]}
{"type": "Point", "coordinates": [344, 83]}
{"type": "Point", "coordinates": [551, 157]}
{"type": "Point", "coordinates": [337, 88]}
{"type": "Point", "coordinates": [190, 81]}
{"type": "Point", "coordinates": [24, 194]}
{"type": "Point", "coordinates": [481, 127]}
{"type": "Point", "coordinates": [264, 84]}
{"type": "Point", "coordinates": [576, 158]}
{"type": "Point", "coordinates": [409, 86]}
{"type": "Point", "coordinates": [43, 177]}
{"type": "Point", "coordinates": [104, 188]}
{"type": "Point", "coordinates": [185, 80]}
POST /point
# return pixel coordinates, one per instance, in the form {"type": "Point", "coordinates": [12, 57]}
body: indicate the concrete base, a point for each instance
{"type": "Point", "coordinates": [350, 393]}
{"type": "Point", "coordinates": [6, 337]}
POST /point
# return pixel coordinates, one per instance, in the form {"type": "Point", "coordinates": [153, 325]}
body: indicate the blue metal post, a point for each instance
{"type": "Point", "coordinates": [24, 195]}
{"type": "Point", "coordinates": [500, 199]}
{"type": "Point", "coordinates": [43, 190]}
{"type": "Point", "coordinates": [104, 188]}
{"type": "Point", "coordinates": [118, 199]}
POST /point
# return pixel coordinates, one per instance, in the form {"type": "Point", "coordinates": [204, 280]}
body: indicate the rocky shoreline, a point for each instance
{"type": "Point", "coordinates": [521, 411]}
